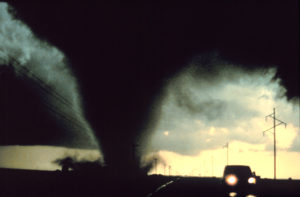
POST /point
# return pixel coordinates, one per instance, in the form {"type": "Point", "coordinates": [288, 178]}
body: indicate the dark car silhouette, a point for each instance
{"type": "Point", "coordinates": [239, 178]}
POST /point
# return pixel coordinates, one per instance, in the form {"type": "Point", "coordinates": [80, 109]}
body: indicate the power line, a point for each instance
{"type": "Point", "coordinates": [41, 84]}
{"type": "Point", "coordinates": [45, 88]}
{"type": "Point", "coordinates": [273, 116]}
{"type": "Point", "coordinates": [69, 117]}
{"type": "Point", "coordinates": [49, 91]}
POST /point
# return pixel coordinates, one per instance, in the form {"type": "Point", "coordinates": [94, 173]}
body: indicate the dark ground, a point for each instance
{"type": "Point", "coordinates": [49, 183]}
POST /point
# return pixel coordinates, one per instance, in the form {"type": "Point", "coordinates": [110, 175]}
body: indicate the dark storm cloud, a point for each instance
{"type": "Point", "coordinates": [210, 108]}
{"type": "Point", "coordinates": [195, 91]}
{"type": "Point", "coordinates": [124, 54]}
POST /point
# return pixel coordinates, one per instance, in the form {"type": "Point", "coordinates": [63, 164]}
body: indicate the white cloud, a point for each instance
{"type": "Point", "coordinates": [204, 111]}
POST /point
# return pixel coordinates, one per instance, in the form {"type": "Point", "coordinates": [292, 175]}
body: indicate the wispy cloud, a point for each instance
{"type": "Point", "coordinates": [203, 109]}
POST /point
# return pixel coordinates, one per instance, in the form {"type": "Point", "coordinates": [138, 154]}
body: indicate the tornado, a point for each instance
{"type": "Point", "coordinates": [40, 98]}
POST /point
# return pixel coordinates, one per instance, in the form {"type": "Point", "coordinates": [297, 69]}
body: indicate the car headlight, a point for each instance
{"type": "Point", "coordinates": [231, 180]}
{"type": "Point", "coordinates": [252, 180]}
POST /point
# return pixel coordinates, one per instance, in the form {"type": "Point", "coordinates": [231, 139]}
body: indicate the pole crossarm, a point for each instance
{"type": "Point", "coordinates": [273, 127]}
{"type": "Point", "coordinates": [272, 116]}
{"type": "Point", "coordinates": [267, 130]}
{"type": "Point", "coordinates": [281, 122]}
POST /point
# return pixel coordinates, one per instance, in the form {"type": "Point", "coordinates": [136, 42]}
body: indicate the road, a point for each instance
{"type": "Point", "coordinates": [46, 183]}
{"type": "Point", "coordinates": [195, 186]}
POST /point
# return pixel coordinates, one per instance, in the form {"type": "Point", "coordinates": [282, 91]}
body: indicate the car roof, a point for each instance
{"type": "Point", "coordinates": [237, 169]}
{"type": "Point", "coordinates": [237, 166]}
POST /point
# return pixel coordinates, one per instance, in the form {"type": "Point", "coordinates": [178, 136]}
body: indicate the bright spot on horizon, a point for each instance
{"type": "Point", "coordinates": [205, 111]}
{"type": "Point", "coordinates": [166, 133]}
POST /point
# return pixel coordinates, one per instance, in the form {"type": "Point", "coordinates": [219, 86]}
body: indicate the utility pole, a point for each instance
{"type": "Point", "coordinates": [273, 115]}
{"type": "Point", "coordinates": [212, 165]}
{"type": "Point", "coordinates": [169, 170]}
{"type": "Point", "coordinates": [227, 146]}
{"type": "Point", "coordinates": [155, 165]}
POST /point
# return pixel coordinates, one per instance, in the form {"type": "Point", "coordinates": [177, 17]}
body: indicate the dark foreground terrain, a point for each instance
{"type": "Point", "coordinates": [43, 183]}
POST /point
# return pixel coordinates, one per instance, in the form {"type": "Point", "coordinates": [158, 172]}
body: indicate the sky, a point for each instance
{"type": "Point", "coordinates": [190, 137]}
{"type": "Point", "coordinates": [202, 112]}
{"type": "Point", "coordinates": [135, 80]}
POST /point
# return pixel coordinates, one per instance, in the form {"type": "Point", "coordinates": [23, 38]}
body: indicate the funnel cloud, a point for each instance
{"type": "Point", "coordinates": [41, 103]}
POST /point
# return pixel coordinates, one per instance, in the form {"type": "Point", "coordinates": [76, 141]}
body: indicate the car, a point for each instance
{"type": "Point", "coordinates": [239, 178]}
